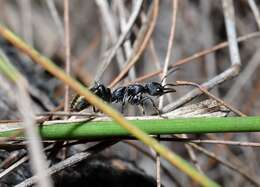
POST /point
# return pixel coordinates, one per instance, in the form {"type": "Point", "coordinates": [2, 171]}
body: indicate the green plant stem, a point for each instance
{"type": "Point", "coordinates": [173, 158]}
{"type": "Point", "coordinates": [109, 129]}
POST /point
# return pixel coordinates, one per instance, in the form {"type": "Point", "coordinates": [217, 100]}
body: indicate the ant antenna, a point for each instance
{"type": "Point", "coordinates": [170, 72]}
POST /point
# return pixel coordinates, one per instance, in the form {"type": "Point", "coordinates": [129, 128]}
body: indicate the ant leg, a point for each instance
{"type": "Point", "coordinates": [122, 108]}
{"type": "Point", "coordinates": [142, 108]}
{"type": "Point", "coordinates": [131, 100]}
{"type": "Point", "coordinates": [94, 109]}
{"type": "Point", "coordinates": [123, 103]}
{"type": "Point", "coordinates": [153, 104]}
{"type": "Point", "coordinates": [137, 100]}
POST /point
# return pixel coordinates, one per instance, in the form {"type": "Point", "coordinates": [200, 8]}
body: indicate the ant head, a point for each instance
{"type": "Point", "coordinates": [157, 89]}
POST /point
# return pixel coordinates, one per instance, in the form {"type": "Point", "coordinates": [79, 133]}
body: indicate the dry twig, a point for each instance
{"type": "Point", "coordinates": [227, 164]}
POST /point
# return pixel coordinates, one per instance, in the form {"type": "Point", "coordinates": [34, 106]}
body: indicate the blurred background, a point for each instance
{"type": "Point", "coordinates": [95, 28]}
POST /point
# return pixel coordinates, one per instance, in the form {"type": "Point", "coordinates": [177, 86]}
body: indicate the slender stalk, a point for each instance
{"type": "Point", "coordinates": [164, 79]}
{"type": "Point", "coordinates": [106, 129]}
{"type": "Point", "coordinates": [67, 51]}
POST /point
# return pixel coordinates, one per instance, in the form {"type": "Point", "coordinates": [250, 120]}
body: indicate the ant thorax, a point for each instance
{"type": "Point", "coordinates": [118, 94]}
{"type": "Point", "coordinates": [134, 89]}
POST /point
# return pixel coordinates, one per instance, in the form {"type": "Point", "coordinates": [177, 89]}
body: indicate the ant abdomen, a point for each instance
{"type": "Point", "coordinates": [78, 103]}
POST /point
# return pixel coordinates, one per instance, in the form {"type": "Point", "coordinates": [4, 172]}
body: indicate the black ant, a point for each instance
{"type": "Point", "coordinates": [133, 94]}
{"type": "Point", "coordinates": [79, 103]}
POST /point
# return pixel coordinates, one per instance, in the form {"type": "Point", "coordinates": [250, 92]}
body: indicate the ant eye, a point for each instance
{"type": "Point", "coordinates": [158, 89]}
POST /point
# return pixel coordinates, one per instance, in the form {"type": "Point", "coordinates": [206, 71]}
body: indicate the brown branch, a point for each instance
{"type": "Point", "coordinates": [198, 55]}
{"type": "Point", "coordinates": [140, 43]}
{"type": "Point", "coordinates": [179, 83]}
{"type": "Point", "coordinates": [226, 163]}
